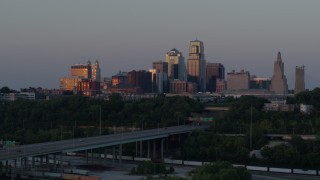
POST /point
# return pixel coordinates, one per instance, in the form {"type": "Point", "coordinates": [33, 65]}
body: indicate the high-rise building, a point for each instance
{"type": "Point", "coordinates": [238, 80]}
{"type": "Point", "coordinates": [161, 79]}
{"type": "Point", "coordinates": [299, 85]}
{"type": "Point", "coordinates": [82, 70]}
{"type": "Point", "coordinates": [176, 65]}
{"type": "Point", "coordinates": [279, 81]}
{"type": "Point", "coordinates": [96, 74]}
{"type": "Point", "coordinates": [214, 71]}
{"type": "Point", "coordinates": [140, 79]}
{"type": "Point", "coordinates": [197, 64]}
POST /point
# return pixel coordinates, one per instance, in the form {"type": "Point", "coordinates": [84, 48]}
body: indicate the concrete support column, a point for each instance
{"type": "Point", "coordinates": [61, 162]}
{"type": "Point", "coordinates": [162, 157]}
{"type": "Point", "coordinates": [87, 156]}
{"type": "Point", "coordinates": [55, 162]}
{"type": "Point", "coordinates": [105, 156]}
{"type": "Point", "coordinates": [148, 149]}
{"type": "Point", "coordinates": [141, 149]}
{"type": "Point", "coordinates": [7, 166]}
{"type": "Point", "coordinates": [120, 154]}
{"type": "Point", "coordinates": [91, 156]}
{"type": "Point", "coordinates": [47, 158]}
{"type": "Point", "coordinates": [25, 162]}
{"type": "Point", "coordinates": [15, 163]}
{"type": "Point", "coordinates": [136, 148]}
{"type": "Point", "coordinates": [33, 161]}
{"type": "Point", "coordinates": [113, 155]}
{"type": "Point", "coordinates": [41, 160]}
{"type": "Point", "coordinates": [154, 148]}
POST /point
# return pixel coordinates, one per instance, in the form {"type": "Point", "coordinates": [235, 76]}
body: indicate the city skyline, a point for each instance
{"type": "Point", "coordinates": [40, 40]}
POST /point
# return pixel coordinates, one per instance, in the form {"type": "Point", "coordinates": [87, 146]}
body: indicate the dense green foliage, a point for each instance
{"type": "Point", "coordinates": [221, 171]}
{"type": "Point", "coordinates": [148, 167]}
{"type": "Point", "coordinates": [237, 120]}
{"type": "Point", "coordinates": [60, 118]}
{"type": "Point", "coordinates": [207, 146]}
{"type": "Point", "coordinates": [297, 153]}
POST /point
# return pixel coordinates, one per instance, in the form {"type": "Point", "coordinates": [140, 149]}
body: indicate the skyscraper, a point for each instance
{"type": "Point", "coordinates": [82, 70]}
{"type": "Point", "coordinates": [214, 71]}
{"type": "Point", "coordinates": [299, 85]}
{"type": "Point", "coordinates": [279, 81]}
{"type": "Point", "coordinates": [161, 73]}
{"type": "Point", "coordinates": [96, 75]}
{"type": "Point", "coordinates": [176, 65]}
{"type": "Point", "coordinates": [197, 64]}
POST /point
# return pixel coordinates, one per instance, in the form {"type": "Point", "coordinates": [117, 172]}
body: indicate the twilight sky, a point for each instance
{"type": "Point", "coordinates": [41, 39]}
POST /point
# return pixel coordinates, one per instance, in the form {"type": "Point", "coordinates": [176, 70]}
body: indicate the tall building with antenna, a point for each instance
{"type": "Point", "coordinates": [299, 84]}
{"type": "Point", "coordinates": [196, 65]}
{"type": "Point", "coordinates": [279, 81]}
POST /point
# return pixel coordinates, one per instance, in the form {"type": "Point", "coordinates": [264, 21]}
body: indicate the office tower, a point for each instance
{"type": "Point", "coordinates": [214, 71]}
{"type": "Point", "coordinates": [82, 70]}
{"type": "Point", "coordinates": [299, 84]}
{"type": "Point", "coordinates": [140, 79]}
{"type": "Point", "coordinates": [238, 80]}
{"type": "Point", "coordinates": [96, 75]}
{"type": "Point", "coordinates": [176, 65]}
{"type": "Point", "coordinates": [196, 64]}
{"type": "Point", "coordinates": [279, 81]}
{"type": "Point", "coordinates": [161, 76]}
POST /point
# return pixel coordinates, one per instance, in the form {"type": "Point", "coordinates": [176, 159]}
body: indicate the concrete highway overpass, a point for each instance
{"type": "Point", "coordinates": [71, 145]}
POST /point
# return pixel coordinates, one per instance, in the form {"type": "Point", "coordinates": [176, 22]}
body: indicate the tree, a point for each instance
{"type": "Point", "coordinates": [221, 171]}
{"type": "Point", "coordinates": [5, 90]}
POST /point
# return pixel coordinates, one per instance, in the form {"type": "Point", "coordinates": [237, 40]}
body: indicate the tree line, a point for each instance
{"type": "Point", "coordinates": [29, 121]}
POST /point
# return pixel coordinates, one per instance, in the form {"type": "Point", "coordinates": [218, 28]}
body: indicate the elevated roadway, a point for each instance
{"type": "Point", "coordinates": [78, 144]}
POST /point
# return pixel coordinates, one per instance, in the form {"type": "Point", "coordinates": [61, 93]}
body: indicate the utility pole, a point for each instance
{"type": "Point", "coordinates": [251, 128]}
{"type": "Point", "coordinates": [100, 119]}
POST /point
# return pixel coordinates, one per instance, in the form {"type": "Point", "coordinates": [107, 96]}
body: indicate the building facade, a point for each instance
{"type": "Point", "coordinates": [221, 85]}
{"type": "Point", "coordinates": [260, 83]}
{"type": "Point", "coordinates": [119, 79]}
{"type": "Point", "coordinates": [141, 79]}
{"type": "Point", "coordinates": [238, 80]}
{"type": "Point", "coordinates": [214, 71]}
{"type": "Point", "coordinates": [161, 73]}
{"type": "Point", "coordinates": [69, 83]}
{"type": "Point", "coordinates": [176, 65]}
{"type": "Point", "coordinates": [196, 65]}
{"type": "Point", "coordinates": [178, 86]}
{"type": "Point", "coordinates": [82, 70]}
{"type": "Point", "coordinates": [96, 74]}
{"type": "Point", "coordinates": [279, 81]}
{"type": "Point", "coordinates": [299, 84]}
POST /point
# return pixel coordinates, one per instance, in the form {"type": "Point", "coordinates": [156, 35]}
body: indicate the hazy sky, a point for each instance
{"type": "Point", "coordinates": [41, 39]}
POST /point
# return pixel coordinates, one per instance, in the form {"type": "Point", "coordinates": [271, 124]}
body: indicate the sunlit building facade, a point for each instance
{"type": "Point", "coordinates": [196, 64]}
